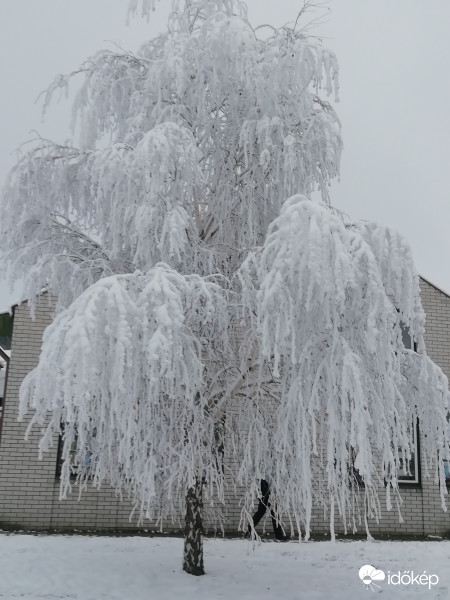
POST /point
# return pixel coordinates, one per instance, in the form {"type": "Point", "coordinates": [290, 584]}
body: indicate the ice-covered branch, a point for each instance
{"type": "Point", "coordinates": [142, 418]}
{"type": "Point", "coordinates": [329, 304]}
{"type": "Point", "coordinates": [209, 306]}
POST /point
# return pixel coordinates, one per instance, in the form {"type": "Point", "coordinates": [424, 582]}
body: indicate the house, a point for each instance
{"type": "Point", "coordinates": [29, 488]}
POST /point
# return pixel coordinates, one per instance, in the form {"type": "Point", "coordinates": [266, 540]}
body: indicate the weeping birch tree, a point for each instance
{"type": "Point", "coordinates": [204, 300]}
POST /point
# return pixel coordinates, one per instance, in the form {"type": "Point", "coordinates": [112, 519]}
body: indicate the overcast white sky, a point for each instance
{"type": "Point", "coordinates": [395, 99]}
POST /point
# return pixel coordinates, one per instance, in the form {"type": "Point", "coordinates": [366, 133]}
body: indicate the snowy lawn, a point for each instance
{"type": "Point", "coordinates": [96, 568]}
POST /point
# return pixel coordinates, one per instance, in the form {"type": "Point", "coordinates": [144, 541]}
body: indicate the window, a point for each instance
{"type": "Point", "coordinates": [59, 458]}
{"type": "Point", "coordinates": [355, 478]}
{"type": "Point", "coordinates": [2, 380]}
{"type": "Point", "coordinates": [447, 472]}
{"type": "Point", "coordinates": [447, 463]}
{"type": "Point", "coordinates": [6, 327]}
{"type": "Point", "coordinates": [409, 470]}
{"type": "Point", "coordinates": [73, 450]}
{"type": "Point", "coordinates": [4, 360]}
{"type": "Point", "coordinates": [407, 339]}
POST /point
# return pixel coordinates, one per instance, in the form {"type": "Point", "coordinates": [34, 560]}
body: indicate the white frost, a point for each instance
{"type": "Point", "coordinates": [203, 302]}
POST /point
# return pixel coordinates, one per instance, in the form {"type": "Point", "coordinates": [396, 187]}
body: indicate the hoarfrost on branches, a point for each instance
{"type": "Point", "coordinates": [231, 125]}
{"type": "Point", "coordinates": [130, 385]}
{"type": "Point", "coordinates": [208, 313]}
{"type": "Point", "coordinates": [327, 308]}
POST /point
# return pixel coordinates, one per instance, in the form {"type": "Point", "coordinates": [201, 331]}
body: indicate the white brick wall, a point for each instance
{"type": "Point", "coordinates": [29, 491]}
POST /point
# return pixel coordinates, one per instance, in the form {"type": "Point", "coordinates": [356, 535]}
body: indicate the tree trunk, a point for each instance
{"type": "Point", "coordinates": [193, 532]}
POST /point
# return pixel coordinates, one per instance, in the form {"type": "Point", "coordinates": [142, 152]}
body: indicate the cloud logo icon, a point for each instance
{"type": "Point", "coordinates": [369, 575]}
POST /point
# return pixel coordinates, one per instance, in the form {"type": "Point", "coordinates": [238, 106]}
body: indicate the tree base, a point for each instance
{"type": "Point", "coordinates": [193, 533]}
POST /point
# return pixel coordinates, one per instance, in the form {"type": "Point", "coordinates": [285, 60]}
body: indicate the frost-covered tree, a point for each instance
{"type": "Point", "coordinates": [204, 301]}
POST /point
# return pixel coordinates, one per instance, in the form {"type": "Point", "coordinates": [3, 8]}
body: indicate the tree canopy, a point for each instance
{"type": "Point", "coordinates": [203, 297]}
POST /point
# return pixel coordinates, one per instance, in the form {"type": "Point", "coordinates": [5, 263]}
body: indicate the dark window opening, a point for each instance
{"type": "Point", "coordinates": [72, 453]}
{"type": "Point", "coordinates": [407, 340]}
{"type": "Point", "coordinates": [447, 472]}
{"type": "Point", "coordinates": [409, 470]}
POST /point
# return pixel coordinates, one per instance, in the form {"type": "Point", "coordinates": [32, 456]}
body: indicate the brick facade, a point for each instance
{"type": "Point", "coordinates": [29, 489]}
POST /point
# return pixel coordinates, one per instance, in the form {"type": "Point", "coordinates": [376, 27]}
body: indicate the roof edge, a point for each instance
{"type": "Point", "coordinates": [436, 287]}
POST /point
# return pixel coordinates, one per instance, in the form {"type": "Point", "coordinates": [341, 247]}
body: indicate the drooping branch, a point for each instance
{"type": "Point", "coordinates": [198, 291]}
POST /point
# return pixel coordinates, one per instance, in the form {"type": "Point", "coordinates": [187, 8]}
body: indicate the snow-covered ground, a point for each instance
{"type": "Point", "coordinates": [97, 568]}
